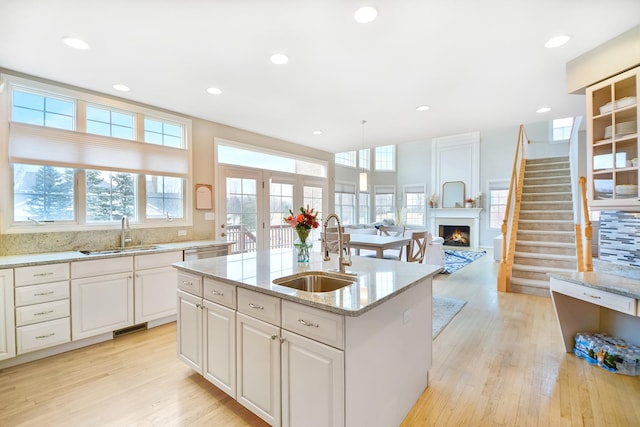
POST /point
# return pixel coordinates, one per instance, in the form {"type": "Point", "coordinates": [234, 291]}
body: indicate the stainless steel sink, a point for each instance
{"type": "Point", "coordinates": [316, 281]}
{"type": "Point", "coordinates": [119, 250]}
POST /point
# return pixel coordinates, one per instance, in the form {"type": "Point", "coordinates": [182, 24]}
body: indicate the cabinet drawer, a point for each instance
{"type": "Point", "coordinates": [36, 294]}
{"type": "Point", "coordinates": [221, 293]}
{"type": "Point", "coordinates": [312, 323]}
{"type": "Point", "coordinates": [42, 312]}
{"type": "Point", "coordinates": [41, 335]}
{"type": "Point", "coordinates": [190, 283]}
{"type": "Point", "coordinates": [605, 299]}
{"type": "Point", "coordinates": [98, 267]}
{"type": "Point", "coordinates": [261, 306]}
{"type": "Point", "coordinates": [41, 274]}
{"type": "Point", "coordinates": [156, 260]}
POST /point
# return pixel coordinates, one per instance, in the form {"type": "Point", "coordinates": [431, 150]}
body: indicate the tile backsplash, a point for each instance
{"type": "Point", "coordinates": [619, 241]}
{"type": "Point", "coordinates": [32, 243]}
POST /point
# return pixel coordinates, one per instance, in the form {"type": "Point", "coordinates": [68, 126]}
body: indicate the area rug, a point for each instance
{"type": "Point", "coordinates": [455, 260]}
{"type": "Point", "coordinates": [444, 310]}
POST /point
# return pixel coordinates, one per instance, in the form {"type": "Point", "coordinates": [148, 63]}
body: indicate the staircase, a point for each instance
{"type": "Point", "coordinates": [545, 241]}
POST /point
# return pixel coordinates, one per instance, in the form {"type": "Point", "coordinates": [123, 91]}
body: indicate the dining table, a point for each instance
{"type": "Point", "coordinates": [378, 243]}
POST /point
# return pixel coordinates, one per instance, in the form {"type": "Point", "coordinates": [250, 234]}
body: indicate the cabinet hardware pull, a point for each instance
{"type": "Point", "coordinates": [305, 323]}
{"type": "Point", "coordinates": [591, 296]}
{"type": "Point", "coordinates": [257, 307]}
{"type": "Point", "coordinates": [282, 340]}
{"type": "Point", "coordinates": [273, 337]}
{"type": "Point", "coordinates": [185, 283]}
{"type": "Point", "coordinates": [198, 305]}
{"type": "Point", "coordinates": [39, 294]}
{"type": "Point", "coordinates": [217, 293]}
{"type": "Point", "coordinates": [42, 313]}
{"type": "Point", "coordinates": [39, 337]}
{"type": "Point", "coordinates": [48, 273]}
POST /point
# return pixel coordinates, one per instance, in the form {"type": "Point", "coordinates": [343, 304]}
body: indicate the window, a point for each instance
{"type": "Point", "coordinates": [66, 178]}
{"type": "Point", "coordinates": [163, 133]}
{"type": "Point", "coordinates": [348, 158]}
{"type": "Point", "coordinates": [364, 159]}
{"type": "Point", "coordinates": [346, 203]}
{"type": "Point", "coordinates": [165, 197]}
{"type": "Point", "coordinates": [385, 158]}
{"type": "Point", "coordinates": [43, 110]}
{"type": "Point", "coordinates": [415, 204]}
{"type": "Point", "coordinates": [110, 195]}
{"type": "Point", "coordinates": [312, 197]}
{"type": "Point", "coordinates": [562, 129]}
{"type": "Point", "coordinates": [384, 203]}
{"type": "Point", "coordinates": [43, 193]}
{"type": "Point", "coordinates": [364, 210]}
{"type": "Point", "coordinates": [498, 193]}
{"type": "Point", "coordinates": [103, 121]}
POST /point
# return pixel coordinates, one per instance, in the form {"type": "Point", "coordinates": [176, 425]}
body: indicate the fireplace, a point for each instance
{"type": "Point", "coordinates": [455, 235]}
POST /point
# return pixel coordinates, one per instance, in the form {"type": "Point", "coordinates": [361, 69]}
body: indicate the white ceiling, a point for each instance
{"type": "Point", "coordinates": [477, 64]}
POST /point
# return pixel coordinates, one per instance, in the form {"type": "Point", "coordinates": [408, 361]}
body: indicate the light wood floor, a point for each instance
{"type": "Point", "coordinates": [499, 362]}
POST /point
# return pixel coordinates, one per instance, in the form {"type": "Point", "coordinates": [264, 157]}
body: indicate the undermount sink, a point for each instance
{"type": "Point", "coordinates": [119, 250]}
{"type": "Point", "coordinates": [316, 281]}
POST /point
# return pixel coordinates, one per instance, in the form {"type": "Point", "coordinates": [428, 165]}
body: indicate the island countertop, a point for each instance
{"type": "Point", "coordinates": [377, 280]}
{"type": "Point", "coordinates": [625, 286]}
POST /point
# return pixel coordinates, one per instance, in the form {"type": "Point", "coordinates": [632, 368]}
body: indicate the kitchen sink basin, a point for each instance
{"type": "Point", "coordinates": [316, 281]}
{"type": "Point", "coordinates": [119, 250]}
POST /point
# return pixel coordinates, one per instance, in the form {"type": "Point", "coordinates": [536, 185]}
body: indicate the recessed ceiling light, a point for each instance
{"type": "Point", "coordinates": [317, 132]}
{"type": "Point", "coordinates": [365, 14]}
{"type": "Point", "coordinates": [214, 91]}
{"type": "Point", "coordinates": [557, 41]}
{"type": "Point", "coordinates": [121, 87]}
{"type": "Point", "coordinates": [75, 43]}
{"type": "Point", "coordinates": [543, 110]}
{"type": "Point", "coordinates": [279, 58]}
{"type": "Point", "coordinates": [422, 108]}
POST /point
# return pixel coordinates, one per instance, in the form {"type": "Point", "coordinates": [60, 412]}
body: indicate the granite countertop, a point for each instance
{"type": "Point", "coordinates": [53, 257]}
{"type": "Point", "coordinates": [377, 280]}
{"type": "Point", "coordinates": [617, 284]}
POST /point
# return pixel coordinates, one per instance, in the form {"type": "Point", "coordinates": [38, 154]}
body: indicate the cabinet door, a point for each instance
{"type": "Point", "coordinates": [189, 330]}
{"type": "Point", "coordinates": [7, 325]}
{"type": "Point", "coordinates": [219, 363]}
{"type": "Point", "coordinates": [101, 304]}
{"type": "Point", "coordinates": [155, 293]}
{"type": "Point", "coordinates": [312, 383]}
{"type": "Point", "coordinates": [258, 368]}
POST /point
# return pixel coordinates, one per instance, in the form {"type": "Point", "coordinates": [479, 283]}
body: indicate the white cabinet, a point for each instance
{"type": "Point", "coordinates": [612, 141]}
{"type": "Point", "coordinates": [258, 367]}
{"type": "Point", "coordinates": [7, 331]}
{"type": "Point", "coordinates": [101, 296]}
{"type": "Point", "coordinates": [42, 306]}
{"type": "Point", "coordinates": [189, 331]}
{"type": "Point", "coordinates": [155, 286]}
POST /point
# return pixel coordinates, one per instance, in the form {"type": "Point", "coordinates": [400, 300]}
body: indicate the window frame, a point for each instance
{"type": "Point", "coordinates": [388, 158]}
{"type": "Point", "coordinates": [495, 185]}
{"type": "Point", "coordinates": [415, 189]}
{"type": "Point", "coordinates": [81, 101]}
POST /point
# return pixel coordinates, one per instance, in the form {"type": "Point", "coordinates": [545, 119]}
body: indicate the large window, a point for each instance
{"type": "Point", "coordinates": [561, 129]}
{"type": "Point", "coordinates": [415, 205]}
{"type": "Point", "coordinates": [347, 158]}
{"type": "Point", "coordinates": [385, 158]}
{"type": "Point", "coordinates": [384, 203]}
{"type": "Point", "coordinates": [364, 208]}
{"type": "Point", "coordinates": [62, 177]}
{"type": "Point", "coordinates": [498, 193]}
{"type": "Point", "coordinates": [364, 159]}
{"type": "Point", "coordinates": [346, 202]}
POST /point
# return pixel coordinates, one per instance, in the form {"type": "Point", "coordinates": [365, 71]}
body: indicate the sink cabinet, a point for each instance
{"type": "Point", "coordinates": [7, 331]}
{"type": "Point", "coordinates": [101, 296]}
{"type": "Point", "coordinates": [155, 286]}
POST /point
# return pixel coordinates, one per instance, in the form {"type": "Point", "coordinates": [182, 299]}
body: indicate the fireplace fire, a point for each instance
{"type": "Point", "coordinates": [455, 235]}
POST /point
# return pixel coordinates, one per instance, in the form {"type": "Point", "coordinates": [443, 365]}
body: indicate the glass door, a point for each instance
{"type": "Point", "coordinates": [281, 200]}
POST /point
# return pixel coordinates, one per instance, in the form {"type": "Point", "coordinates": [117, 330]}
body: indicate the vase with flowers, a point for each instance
{"type": "Point", "coordinates": [302, 223]}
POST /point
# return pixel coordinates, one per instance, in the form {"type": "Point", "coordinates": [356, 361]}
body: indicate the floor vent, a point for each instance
{"type": "Point", "coordinates": [129, 330]}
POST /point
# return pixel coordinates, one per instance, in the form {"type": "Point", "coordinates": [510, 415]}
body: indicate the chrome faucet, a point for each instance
{"type": "Point", "coordinates": [342, 262]}
{"type": "Point", "coordinates": [124, 227]}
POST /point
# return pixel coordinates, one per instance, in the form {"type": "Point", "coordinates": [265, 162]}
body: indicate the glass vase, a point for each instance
{"type": "Point", "coordinates": [302, 246]}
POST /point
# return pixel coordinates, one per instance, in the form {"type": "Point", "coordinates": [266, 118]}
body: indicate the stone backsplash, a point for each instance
{"type": "Point", "coordinates": [619, 245]}
{"type": "Point", "coordinates": [31, 243]}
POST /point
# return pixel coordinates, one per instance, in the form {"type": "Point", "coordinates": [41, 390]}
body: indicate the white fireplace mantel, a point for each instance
{"type": "Point", "coordinates": [442, 216]}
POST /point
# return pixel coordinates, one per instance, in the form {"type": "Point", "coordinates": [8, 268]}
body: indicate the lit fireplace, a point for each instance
{"type": "Point", "coordinates": [455, 235]}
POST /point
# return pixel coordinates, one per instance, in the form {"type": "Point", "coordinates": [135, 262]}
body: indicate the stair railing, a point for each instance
{"type": "Point", "coordinates": [585, 262]}
{"type": "Point", "coordinates": [509, 225]}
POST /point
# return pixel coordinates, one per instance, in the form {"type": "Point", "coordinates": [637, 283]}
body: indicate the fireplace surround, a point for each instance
{"type": "Point", "coordinates": [455, 235]}
{"type": "Point", "coordinates": [457, 216]}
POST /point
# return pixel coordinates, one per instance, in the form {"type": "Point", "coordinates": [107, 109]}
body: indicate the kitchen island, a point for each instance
{"type": "Point", "coordinates": [357, 355]}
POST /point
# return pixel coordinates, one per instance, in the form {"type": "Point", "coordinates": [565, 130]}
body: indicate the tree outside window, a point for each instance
{"type": "Point", "coordinates": [43, 193]}
{"type": "Point", "coordinates": [110, 195]}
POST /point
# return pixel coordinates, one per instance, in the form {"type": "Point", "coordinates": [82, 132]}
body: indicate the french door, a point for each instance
{"type": "Point", "coordinates": [253, 203]}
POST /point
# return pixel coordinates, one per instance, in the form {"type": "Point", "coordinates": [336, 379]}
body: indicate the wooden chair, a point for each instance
{"type": "Point", "coordinates": [371, 230]}
{"type": "Point", "coordinates": [331, 239]}
{"type": "Point", "coordinates": [395, 231]}
{"type": "Point", "coordinates": [418, 246]}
